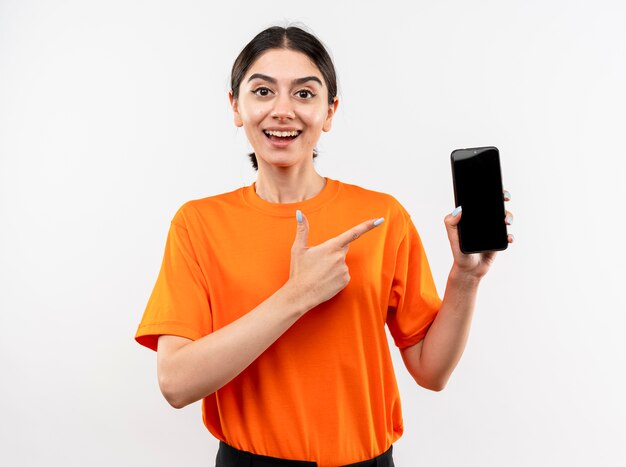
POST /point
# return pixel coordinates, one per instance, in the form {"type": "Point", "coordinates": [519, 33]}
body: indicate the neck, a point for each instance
{"type": "Point", "coordinates": [277, 185]}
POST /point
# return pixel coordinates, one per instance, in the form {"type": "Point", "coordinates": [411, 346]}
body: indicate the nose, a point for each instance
{"type": "Point", "coordinates": [283, 108]}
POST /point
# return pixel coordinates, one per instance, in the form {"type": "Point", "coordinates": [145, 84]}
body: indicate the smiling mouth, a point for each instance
{"type": "Point", "coordinates": [276, 135]}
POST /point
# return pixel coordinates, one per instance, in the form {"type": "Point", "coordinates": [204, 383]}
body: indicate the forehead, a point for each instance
{"type": "Point", "coordinates": [284, 64]}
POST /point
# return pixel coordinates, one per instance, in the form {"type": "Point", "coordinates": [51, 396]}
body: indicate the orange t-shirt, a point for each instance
{"type": "Point", "coordinates": [325, 391]}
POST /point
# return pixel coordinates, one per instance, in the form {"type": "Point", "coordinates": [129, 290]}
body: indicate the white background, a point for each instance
{"type": "Point", "coordinates": [112, 114]}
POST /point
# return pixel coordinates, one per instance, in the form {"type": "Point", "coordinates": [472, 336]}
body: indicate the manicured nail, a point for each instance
{"type": "Point", "coordinates": [379, 221]}
{"type": "Point", "coordinates": [456, 211]}
{"type": "Point", "coordinates": [512, 238]}
{"type": "Point", "coordinates": [299, 216]}
{"type": "Point", "coordinates": [507, 195]}
{"type": "Point", "coordinates": [508, 220]}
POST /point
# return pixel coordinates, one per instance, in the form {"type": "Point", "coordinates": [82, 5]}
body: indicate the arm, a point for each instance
{"type": "Point", "coordinates": [191, 370]}
{"type": "Point", "coordinates": [432, 360]}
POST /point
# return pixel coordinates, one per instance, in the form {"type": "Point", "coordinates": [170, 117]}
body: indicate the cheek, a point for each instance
{"type": "Point", "coordinates": [252, 114]}
{"type": "Point", "coordinates": [259, 112]}
{"type": "Point", "coordinates": [314, 117]}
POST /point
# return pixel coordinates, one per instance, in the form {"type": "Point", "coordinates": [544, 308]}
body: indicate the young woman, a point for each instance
{"type": "Point", "coordinates": [272, 299]}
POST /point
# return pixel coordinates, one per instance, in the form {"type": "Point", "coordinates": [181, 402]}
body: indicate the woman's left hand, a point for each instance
{"type": "Point", "coordinates": [474, 264]}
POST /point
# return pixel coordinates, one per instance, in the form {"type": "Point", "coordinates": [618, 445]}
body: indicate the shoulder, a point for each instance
{"type": "Point", "coordinates": [386, 204]}
{"type": "Point", "coordinates": [201, 209]}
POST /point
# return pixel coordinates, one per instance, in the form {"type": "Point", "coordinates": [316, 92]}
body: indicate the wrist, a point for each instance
{"type": "Point", "coordinates": [462, 277]}
{"type": "Point", "coordinates": [296, 297]}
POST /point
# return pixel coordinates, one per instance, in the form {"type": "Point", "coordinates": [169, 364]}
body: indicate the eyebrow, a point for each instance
{"type": "Point", "coordinates": [269, 79]}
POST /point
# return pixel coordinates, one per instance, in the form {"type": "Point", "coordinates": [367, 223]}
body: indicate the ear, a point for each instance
{"type": "Point", "coordinates": [332, 108]}
{"type": "Point", "coordinates": [235, 106]}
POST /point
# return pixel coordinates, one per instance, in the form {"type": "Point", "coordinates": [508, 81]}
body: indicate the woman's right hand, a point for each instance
{"type": "Point", "coordinates": [190, 370]}
{"type": "Point", "coordinates": [320, 272]}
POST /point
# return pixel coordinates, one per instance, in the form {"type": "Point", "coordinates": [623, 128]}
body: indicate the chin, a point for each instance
{"type": "Point", "coordinates": [282, 162]}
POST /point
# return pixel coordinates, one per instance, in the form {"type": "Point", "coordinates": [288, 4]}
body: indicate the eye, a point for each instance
{"type": "Point", "coordinates": [262, 91]}
{"type": "Point", "coordinates": [305, 94]}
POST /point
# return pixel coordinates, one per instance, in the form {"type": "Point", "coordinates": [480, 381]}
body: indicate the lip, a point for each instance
{"type": "Point", "coordinates": [280, 128]}
{"type": "Point", "coordinates": [282, 142]}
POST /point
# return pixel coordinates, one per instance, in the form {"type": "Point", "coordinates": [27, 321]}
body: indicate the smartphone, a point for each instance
{"type": "Point", "coordinates": [477, 180]}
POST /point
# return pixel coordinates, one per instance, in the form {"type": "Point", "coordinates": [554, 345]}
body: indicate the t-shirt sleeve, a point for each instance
{"type": "Point", "coordinates": [413, 302]}
{"type": "Point", "coordinates": [179, 303]}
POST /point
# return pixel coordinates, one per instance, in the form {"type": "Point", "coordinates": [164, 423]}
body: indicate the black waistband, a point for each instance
{"type": "Point", "coordinates": [228, 456]}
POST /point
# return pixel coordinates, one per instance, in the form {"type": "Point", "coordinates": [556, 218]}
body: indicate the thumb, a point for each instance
{"type": "Point", "coordinates": [302, 232]}
{"type": "Point", "coordinates": [452, 221]}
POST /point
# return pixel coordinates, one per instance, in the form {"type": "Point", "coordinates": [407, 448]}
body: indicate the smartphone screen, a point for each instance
{"type": "Point", "coordinates": [478, 189]}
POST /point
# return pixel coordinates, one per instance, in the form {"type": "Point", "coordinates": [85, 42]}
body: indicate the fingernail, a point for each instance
{"type": "Point", "coordinates": [508, 220]}
{"type": "Point", "coordinates": [299, 216]}
{"type": "Point", "coordinates": [507, 195]}
{"type": "Point", "coordinates": [379, 221]}
{"type": "Point", "coordinates": [512, 238]}
{"type": "Point", "coordinates": [457, 210]}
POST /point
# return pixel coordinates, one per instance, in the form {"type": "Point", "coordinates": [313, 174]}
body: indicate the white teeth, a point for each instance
{"type": "Point", "coordinates": [282, 134]}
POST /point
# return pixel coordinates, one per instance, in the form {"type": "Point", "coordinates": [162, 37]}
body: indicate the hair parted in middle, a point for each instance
{"type": "Point", "coordinates": [290, 38]}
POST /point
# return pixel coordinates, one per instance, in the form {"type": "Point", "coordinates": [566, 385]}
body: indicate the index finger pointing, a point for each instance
{"type": "Point", "coordinates": [344, 239]}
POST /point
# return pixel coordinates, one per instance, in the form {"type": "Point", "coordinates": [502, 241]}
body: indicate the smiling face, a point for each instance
{"type": "Point", "coordinates": [283, 108]}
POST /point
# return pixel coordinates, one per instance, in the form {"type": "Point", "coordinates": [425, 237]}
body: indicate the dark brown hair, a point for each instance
{"type": "Point", "coordinates": [291, 38]}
